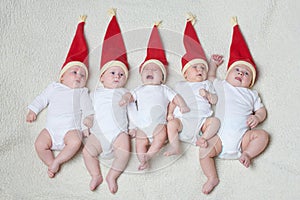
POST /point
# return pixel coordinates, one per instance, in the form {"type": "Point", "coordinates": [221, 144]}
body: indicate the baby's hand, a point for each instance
{"type": "Point", "coordinates": [123, 102]}
{"type": "Point", "coordinates": [125, 99]}
{"type": "Point", "coordinates": [201, 142]}
{"type": "Point", "coordinates": [203, 93]}
{"type": "Point", "coordinates": [170, 117]}
{"type": "Point", "coordinates": [31, 116]}
{"type": "Point", "coordinates": [217, 59]}
{"type": "Point", "coordinates": [86, 133]}
{"type": "Point", "coordinates": [132, 133]}
{"type": "Point", "coordinates": [252, 121]}
{"type": "Point", "coordinates": [88, 121]}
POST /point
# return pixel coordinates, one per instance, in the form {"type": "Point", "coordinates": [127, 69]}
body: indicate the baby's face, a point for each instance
{"type": "Point", "coordinates": [196, 73]}
{"type": "Point", "coordinates": [240, 76]}
{"type": "Point", "coordinates": [74, 77]}
{"type": "Point", "coordinates": [113, 77]}
{"type": "Point", "coordinates": [152, 74]}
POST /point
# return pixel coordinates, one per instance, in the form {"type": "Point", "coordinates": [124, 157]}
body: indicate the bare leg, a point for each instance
{"type": "Point", "coordinates": [121, 158]}
{"type": "Point", "coordinates": [253, 143]}
{"type": "Point", "coordinates": [142, 144]}
{"type": "Point", "coordinates": [43, 145]}
{"type": "Point", "coordinates": [90, 153]}
{"type": "Point", "coordinates": [72, 142]}
{"type": "Point", "coordinates": [208, 164]}
{"type": "Point", "coordinates": [173, 128]}
{"type": "Point", "coordinates": [159, 139]}
{"type": "Point", "coordinates": [209, 129]}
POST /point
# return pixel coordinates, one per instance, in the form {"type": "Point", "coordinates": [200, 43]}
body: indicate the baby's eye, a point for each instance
{"type": "Point", "coordinates": [121, 74]}
{"type": "Point", "coordinates": [113, 73]}
{"type": "Point", "coordinates": [246, 74]}
{"type": "Point", "coordinates": [237, 69]}
{"type": "Point", "coordinates": [82, 75]}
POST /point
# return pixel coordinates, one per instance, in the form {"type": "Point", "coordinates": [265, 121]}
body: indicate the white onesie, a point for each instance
{"type": "Point", "coordinates": [200, 109]}
{"type": "Point", "coordinates": [235, 105]}
{"type": "Point", "coordinates": [111, 118]}
{"type": "Point", "coordinates": [150, 107]}
{"type": "Point", "coordinates": [67, 108]}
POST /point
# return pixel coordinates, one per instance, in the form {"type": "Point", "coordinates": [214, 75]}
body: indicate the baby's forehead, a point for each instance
{"type": "Point", "coordinates": [76, 67]}
{"type": "Point", "coordinates": [152, 65]}
{"type": "Point", "coordinates": [243, 66]}
{"type": "Point", "coordinates": [115, 68]}
{"type": "Point", "coordinates": [197, 64]}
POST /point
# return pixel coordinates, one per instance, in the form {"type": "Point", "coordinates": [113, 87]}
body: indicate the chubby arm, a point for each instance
{"type": "Point", "coordinates": [215, 61]}
{"type": "Point", "coordinates": [39, 103]}
{"type": "Point", "coordinates": [171, 109]}
{"type": "Point", "coordinates": [88, 121]}
{"type": "Point", "coordinates": [258, 117]}
{"type": "Point", "coordinates": [179, 101]}
{"type": "Point", "coordinates": [126, 99]}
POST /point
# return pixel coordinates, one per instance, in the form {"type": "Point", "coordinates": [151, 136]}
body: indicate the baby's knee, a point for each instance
{"type": "Point", "coordinates": [38, 144]}
{"type": "Point", "coordinates": [215, 121]}
{"type": "Point", "coordinates": [90, 151]}
{"type": "Point", "coordinates": [73, 138]}
{"type": "Point", "coordinates": [142, 142]}
{"type": "Point", "coordinates": [264, 135]}
{"type": "Point", "coordinates": [259, 134]}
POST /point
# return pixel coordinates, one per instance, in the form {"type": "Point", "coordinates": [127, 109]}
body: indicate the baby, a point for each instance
{"type": "Point", "coordinates": [151, 101]}
{"type": "Point", "coordinates": [68, 103]}
{"type": "Point", "coordinates": [239, 109]}
{"type": "Point", "coordinates": [197, 126]}
{"type": "Point", "coordinates": [109, 136]}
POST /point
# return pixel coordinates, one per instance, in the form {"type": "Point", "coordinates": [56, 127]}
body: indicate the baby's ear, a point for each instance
{"type": "Point", "coordinates": [61, 78]}
{"type": "Point", "coordinates": [100, 78]}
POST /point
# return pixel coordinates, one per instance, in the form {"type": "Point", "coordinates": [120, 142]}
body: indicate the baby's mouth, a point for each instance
{"type": "Point", "coordinates": [199, 74]}
{"type": "Point", "coordinates": [238, 78]}
{"type": "Point", "coordinates": [149, 77]}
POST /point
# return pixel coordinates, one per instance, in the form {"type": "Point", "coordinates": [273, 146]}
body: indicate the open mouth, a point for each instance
{"type": "Point", "coordinates": [149, 77]}
{"type": "Point", "coordinates": [199, 74]}
{"type": "Point", "coordinates": [238, 78]}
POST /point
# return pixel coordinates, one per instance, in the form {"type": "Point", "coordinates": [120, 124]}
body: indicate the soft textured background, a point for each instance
{"type": "Point", "coordinates": [35, 38]}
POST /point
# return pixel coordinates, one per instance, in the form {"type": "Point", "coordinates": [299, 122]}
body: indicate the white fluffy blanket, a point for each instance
{"type": "Point", "coordinates": [35, 38]}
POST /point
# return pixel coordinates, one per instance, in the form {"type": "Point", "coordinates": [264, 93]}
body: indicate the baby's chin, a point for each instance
{"type": "Point", "coordinates": [74, 85]}
{"type": "Point", "coordinates": [151, 82]}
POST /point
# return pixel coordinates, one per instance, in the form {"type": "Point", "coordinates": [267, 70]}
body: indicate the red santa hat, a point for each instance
{"type": "Point", "coordinates": [156, 52]}
{"type": "Point", "coordinates": [113, 49]}
{"type": "Point", "coordinates": [194, 51]}
{"type": "Point", "coordinates": [78, 53]}
{"type": "Point", "coordinates": [239, 52]}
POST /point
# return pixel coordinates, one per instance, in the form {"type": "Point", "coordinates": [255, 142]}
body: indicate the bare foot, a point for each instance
{"type": "Point", "coordinates": [112, 184]}
{"type": "Point", "coordinates": [95, 182]}
{"type": "Point", "coordinates": [144, 163]}
{"type": "Point", "coordinates": [172, 150]}
{"type": "Point", "coordinates": [53, 169]}
{"type": "Point", "coordinates": [210, 184]}
{"type": "Point", "coordinates": [201, 142]}
{"type": "Point", "coordinates": [50, 174]}
{"type": "Point", "coordinates": [245, 159]}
